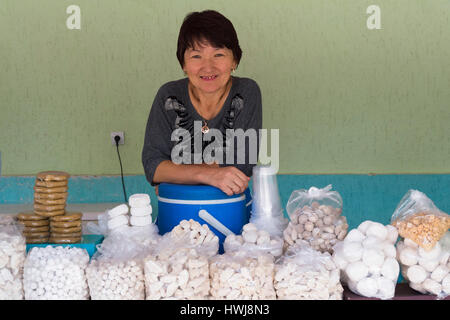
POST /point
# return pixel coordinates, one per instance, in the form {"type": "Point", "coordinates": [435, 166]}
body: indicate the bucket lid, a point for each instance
{"type": "Point", "coordinates": [192, 192]}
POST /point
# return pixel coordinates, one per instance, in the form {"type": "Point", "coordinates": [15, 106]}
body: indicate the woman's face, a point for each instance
{"type": "Point", "coordinates": [208, 68]}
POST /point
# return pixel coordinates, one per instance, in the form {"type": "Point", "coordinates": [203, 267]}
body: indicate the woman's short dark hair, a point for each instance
{"type": "Point", "coordinates": [210, 26]}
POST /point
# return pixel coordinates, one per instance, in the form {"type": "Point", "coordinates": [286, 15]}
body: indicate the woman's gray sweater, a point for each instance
{"type": "Point", "coordinates": [172, 109]}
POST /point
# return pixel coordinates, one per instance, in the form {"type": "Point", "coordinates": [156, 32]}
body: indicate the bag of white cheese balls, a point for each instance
{"type": "Point", "coordinates": [178, 269]}
{"type": "Point", "coordinates": [116, 271]}
{"type": "Point", "coordinates": [242, 275]}
{"type": "Point", "coordinates": [315, 217]}
{"type": "Point", "coordinates": [115, 280]}
{"type": "Point", "coordinates": [303, 273]}
{"type": "Point", "coordinates": [426, 271]}
{"type": "Point", "coordinates": [12, 258]}
{"type": "Point", "coordinates": [253, 239]}
{"type": "Point", "coordinates": [367, 260]}
{"type": "Point", "coordinates": [56, 273]}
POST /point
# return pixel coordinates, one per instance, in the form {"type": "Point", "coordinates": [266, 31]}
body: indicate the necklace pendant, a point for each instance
{"type": "Point", "coordinates": [205, 129]}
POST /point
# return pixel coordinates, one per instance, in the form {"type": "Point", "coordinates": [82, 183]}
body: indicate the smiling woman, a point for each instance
{"type": "Point", "coordinates": [208, 52]}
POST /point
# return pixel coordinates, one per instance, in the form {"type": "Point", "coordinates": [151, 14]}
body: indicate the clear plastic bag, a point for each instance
{"type": "Point", "coordinates": [242, 275]}
{"type": "Point", "coordinates": [315, 216]}
{"type": "Point", "coordinates": [426, 271]}
{"type": "Point", "coordinates": [114, 280]}
{"type": "Point", "coordinates": [178, 269]}
{"type": "Point", "coordinates": [324, 196]}
{"type": "Point", "coordinates": [116, 271]}
{"type": "Point", "coordinates": [367, 260]}
{"type": "Point", "coordinates": [254, 239]}
{"type": "Point", "coordinates": [56, 273]}
{"type": "Point", "coordinates": [12, 259]}
{"type": "Point", "coordinates": [303, 273]}
{"type": "Point", "coordinates": [417, 218]}
{"type": "Point", "coordinates": [99, 227]}
{"type": "Point", "coordinates": [274, 225]}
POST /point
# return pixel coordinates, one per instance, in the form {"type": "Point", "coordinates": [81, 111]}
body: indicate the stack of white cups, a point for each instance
{"type": "Point", "coordinates": [140, 210]}
{"type": "Point", "coordinates": [117, 217]}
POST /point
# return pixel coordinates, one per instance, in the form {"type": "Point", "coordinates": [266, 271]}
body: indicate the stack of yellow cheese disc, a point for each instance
{"type": "Point", "coordinates": [66, 228]}
{"type": "Point", "coordinates": [50, 193]}
{"type": "Point", "coordinates": [36, 228]}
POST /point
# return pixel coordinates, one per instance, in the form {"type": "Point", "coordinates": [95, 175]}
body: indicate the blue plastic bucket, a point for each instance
{"type": "Point", "coordinates": [183, 202]}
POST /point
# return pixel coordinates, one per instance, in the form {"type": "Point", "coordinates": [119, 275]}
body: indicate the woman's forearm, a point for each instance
{"type": "Point", "coordinates": [169, 172]}
{"type": "Point", "coordinates": [229, 179]}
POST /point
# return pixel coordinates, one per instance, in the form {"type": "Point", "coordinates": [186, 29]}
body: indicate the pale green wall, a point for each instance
{"type": "Point", "coordinates": [346, 99]}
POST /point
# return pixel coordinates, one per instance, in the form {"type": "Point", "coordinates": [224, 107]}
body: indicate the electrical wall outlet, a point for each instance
{"type": "Point", "coordinates": [120, 134]}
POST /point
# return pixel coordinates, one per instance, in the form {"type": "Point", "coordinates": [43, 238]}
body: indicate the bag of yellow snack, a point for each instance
{"type": "Point", "coordinates": [417, 218]}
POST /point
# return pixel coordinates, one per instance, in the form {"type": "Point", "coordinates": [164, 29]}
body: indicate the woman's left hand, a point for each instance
{"type": "Point", "coordinates": [230, 180]}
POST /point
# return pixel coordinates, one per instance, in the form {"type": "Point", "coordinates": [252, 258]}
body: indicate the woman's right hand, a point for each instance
{"type": "Point", "coordinates": [229, 179]}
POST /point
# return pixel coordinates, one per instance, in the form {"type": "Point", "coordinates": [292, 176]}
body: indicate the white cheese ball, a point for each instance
{"type": "Point", "coordinates": [389, 250]}
{"type": "Point", "coordinates": [141, 211]}
{"type": "Point", "coordinates": [352, 251]}
{"type": "Point", "coordinates": [364, 226]}
{"type": "Point", "coordinates": [408, 256]}
{"type": "Point", "coordinates": [392, 235]}
{"type": "Point", "coordinates": [356, 271]}
{"type": "Point", "coordinates": [117, 222]}
{"type": "Point", "coordinates": [390, 269]}
{"type": "Point", "coordinates": [432, 286]}
{"type": "Point", "coordinates": [428, 265]}
{"type": "Point", "coordinates": [416, 274]}
{"type": "Point", "coordinates": [119, 210]}
{"type": "Point", "coordinates": [378, 230]}
{"type": "Point", "coordinates": [374, 271]}
{"type": "Point", "coordinates": [432, 254]}
{"type": "Point", "coordinates": [373, 257]}
{"type": "Point", "coordinates": [386, 288]}
{"type": "Point", "coordinates": [367, 287]}
{"type": "Point", "coordinates": [355, 235]}
{"type": "Point", "coordinates": [140, 221]}
{"type": "Point", "coordinates": [250, 236]}
{"type": "Point", "coordinates": [418, 287]}
{"type": "Point", "coordinates": [139, 200]}
{"type": "Point", "coordinates": [249, 227]}
{"type": "Point", "coordinates": [372, 242]}
{"type": "Point", "coordinates": [439, 273]}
